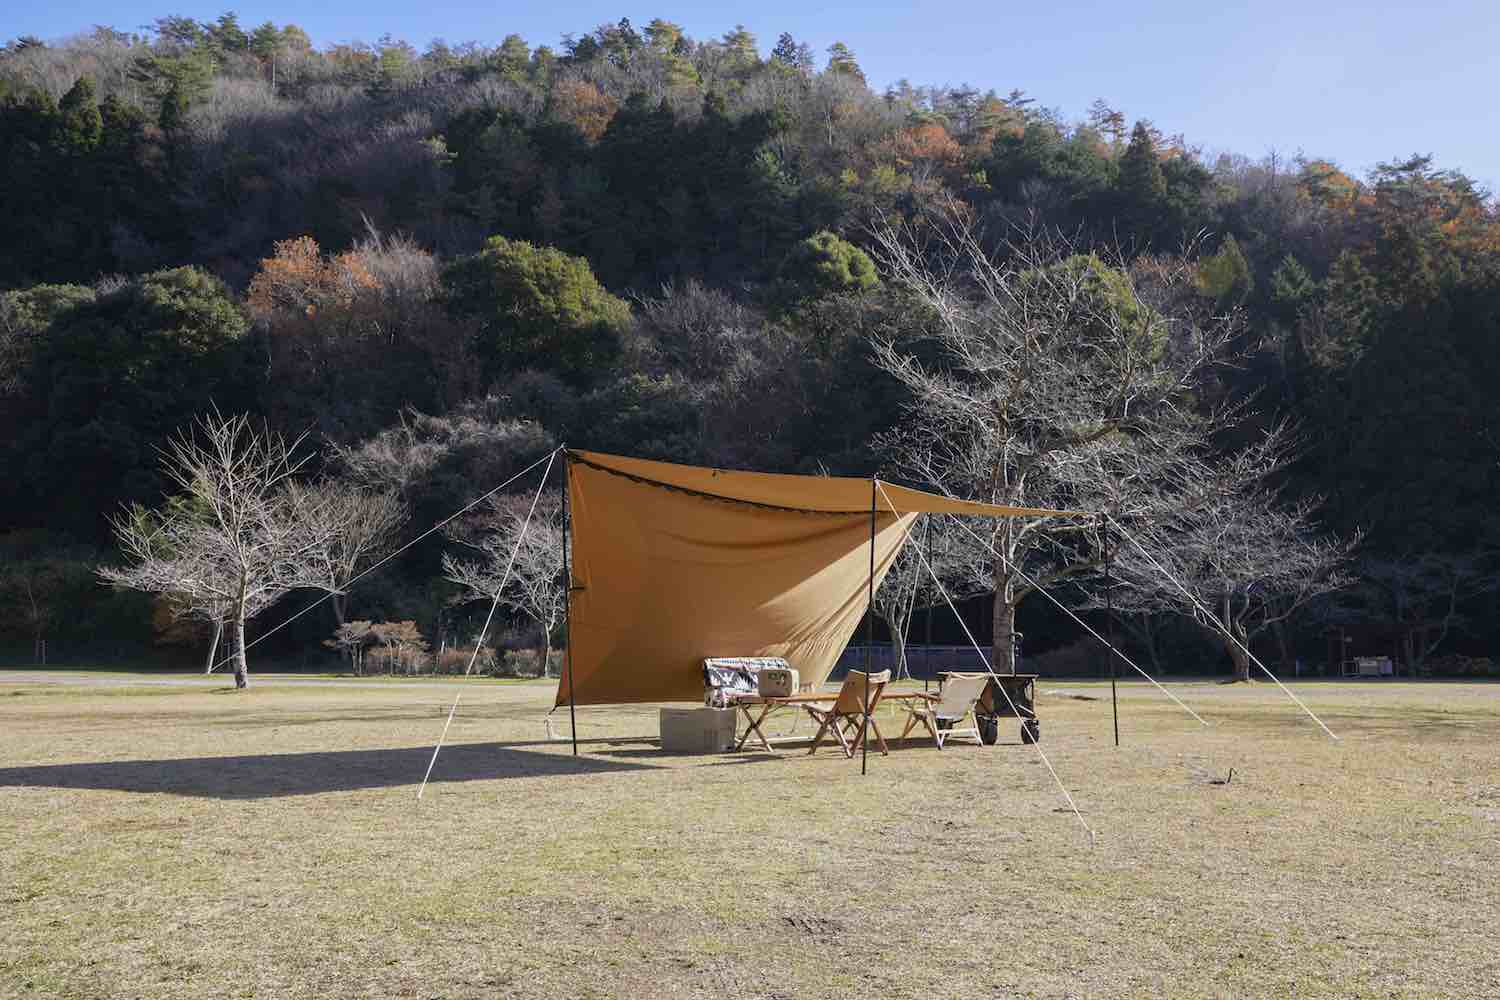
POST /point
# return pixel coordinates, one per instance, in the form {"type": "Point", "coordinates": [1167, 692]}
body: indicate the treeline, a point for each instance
{"type": "Point", "coordinates": [643, 242]}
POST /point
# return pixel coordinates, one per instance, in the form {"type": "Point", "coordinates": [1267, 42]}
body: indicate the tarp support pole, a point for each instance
{"type": "Point", "coordinates": [568, 602]}
{"type": "Point", "coordinates": [864, 736]}
{"type": "Point", "coordinates": [927, 658]}
{"type": "Point", "coordinates": [1109, 618]}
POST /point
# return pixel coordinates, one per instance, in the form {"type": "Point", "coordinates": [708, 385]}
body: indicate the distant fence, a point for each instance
{"type": "Point", "coordinates": [921, 661]}
{"type": "Point", "coordinates": [135, 654]}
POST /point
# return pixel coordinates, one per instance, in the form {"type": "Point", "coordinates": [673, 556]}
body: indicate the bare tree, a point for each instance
{"type": "Point", "coordinates": [403, 645]}
{"type": "Point", "coordinates": [534, 587]}
{"type": "Point", "coordinates": [1049, 378]}
{"type": "Point", "coordinates": [962, 567]}
{"type": "Point", "coordinates": [1422, 594]}
{"type": "Point", "coordinates": [478, 435]}
{"type": "Point", "coordinates": [359, 526]}
{"type": "Point", "coordinates": [351, 639]}
{"type": "Point", "coordinates": [239, 537]}
{"type": "Point", "coordinates": [198, 603]}
{"type": "Point", "coordinates": [197, 589]}
{"type": "Point", "coordinates": [1231, 555]}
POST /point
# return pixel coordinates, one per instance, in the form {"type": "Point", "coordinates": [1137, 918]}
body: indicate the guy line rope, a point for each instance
{"type": "Point", "coordinates": [494, 603]}
{"type": "Point", "coordinates": [364, 573]}
{"type": "Point", "coordinates": [1223, 626]}
{"type": "Point", "coordinates": [1069, 612]}
{"type": "Point", "coordinates": [991, 671]}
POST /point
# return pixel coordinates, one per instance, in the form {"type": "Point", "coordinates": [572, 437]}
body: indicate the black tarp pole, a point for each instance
{"type": "Point", "coordinates": [568, 604]}
{"type": "Point", "coordinates": [1109, 616]}
{"type": "Point", "coordinates": [927, 541]}
{"type": "Point", "coordinates": [864, 742]}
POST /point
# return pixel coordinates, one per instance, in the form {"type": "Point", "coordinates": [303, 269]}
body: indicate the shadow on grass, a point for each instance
{"type": "Point", "coordinates": [273, 775]}
{"type": "Point", "coordinates": [752, 754]}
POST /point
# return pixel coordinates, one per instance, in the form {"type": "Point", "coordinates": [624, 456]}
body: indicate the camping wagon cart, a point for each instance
{"type": "Point", "coordinates": [1006, 696]}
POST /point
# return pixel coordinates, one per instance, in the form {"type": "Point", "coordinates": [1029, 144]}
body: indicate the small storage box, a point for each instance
{"type": "Point", "coordinates": [778, 682]}
{"type": "Point", "coordinates": [697, 730]}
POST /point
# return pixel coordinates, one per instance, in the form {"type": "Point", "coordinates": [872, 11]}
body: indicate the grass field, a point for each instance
{"type": "Point", "coordinates": [160, 841]}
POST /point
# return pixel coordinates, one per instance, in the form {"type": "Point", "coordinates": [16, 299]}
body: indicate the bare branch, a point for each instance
{"type": "Point", "coordinates": [240, 535]}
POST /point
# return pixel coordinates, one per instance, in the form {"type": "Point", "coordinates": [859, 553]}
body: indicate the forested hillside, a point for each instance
{"type": "Point", "coordinates": [439, 264]}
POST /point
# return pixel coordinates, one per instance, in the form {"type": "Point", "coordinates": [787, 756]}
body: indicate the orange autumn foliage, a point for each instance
{"type": "Point", "coordinates": [1327, 184]}
{"type": "Point", "coordinates": [584, 106]}
{"type": "Point", "coordinates": [925, 144]}
{"type": "Point", "coordinates": [298, 278]}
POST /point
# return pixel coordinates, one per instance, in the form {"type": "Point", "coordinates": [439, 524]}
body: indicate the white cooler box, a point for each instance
{"type": "Point", "coordinates": [697, 730]}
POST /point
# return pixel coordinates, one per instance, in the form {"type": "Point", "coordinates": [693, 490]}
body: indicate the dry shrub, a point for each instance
{"type": "Point", "coordinates": [528, 663]}
{"type": "Point", "coordinates": [1458, 665]}
{"type": "Point", "coordinates": [396, 660]}
{"type": "Point", "coordinates": [455, 660]}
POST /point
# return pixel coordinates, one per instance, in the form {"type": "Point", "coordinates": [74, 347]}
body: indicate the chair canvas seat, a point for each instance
{"type": "Point", "coordinates": [953, 704]}
{"type": "Point", "coordinates": [847, 717]}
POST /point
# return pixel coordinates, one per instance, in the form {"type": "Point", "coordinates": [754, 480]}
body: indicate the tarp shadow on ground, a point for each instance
{"type": "Point", "coordinates": [272, 775]}
{"type": "Point", "coordinates": [752, 754]}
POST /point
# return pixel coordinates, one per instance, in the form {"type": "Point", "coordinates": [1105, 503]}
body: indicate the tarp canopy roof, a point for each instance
{"type": "Point", "coordinates": [676, 563]}
{"type": "Point", "coordinates": [808, 494]}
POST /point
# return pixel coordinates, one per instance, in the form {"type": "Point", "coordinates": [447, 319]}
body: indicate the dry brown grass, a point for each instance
{"type": "Point", "coordinates": [163, 842]}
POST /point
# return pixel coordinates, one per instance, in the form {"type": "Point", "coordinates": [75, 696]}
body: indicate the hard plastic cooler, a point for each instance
{"type": "Point", "coordinates": [697, 730]}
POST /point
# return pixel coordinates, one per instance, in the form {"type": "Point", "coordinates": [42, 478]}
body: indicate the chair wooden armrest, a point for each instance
{"type": "Point", "coordinates": [851, 712]}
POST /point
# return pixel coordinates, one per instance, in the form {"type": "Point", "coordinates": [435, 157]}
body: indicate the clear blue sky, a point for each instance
{"type": "Point", "coordinates": [1356, 81]}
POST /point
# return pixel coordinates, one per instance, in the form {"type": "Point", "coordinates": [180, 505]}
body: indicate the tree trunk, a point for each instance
{"type": "Point", "coordinates": [546, 652]}
{"type": "Point", "coordinates": [1239, 651]}
{"type": "Point", "coordinates": [346, 653]}
{"type": "Point", "coordinates": [241, 667]}
{"type": "Point", "coordinates": [893, 628]}
{"type": "Point", "coordinates": [1240, 660]}
{"type": "Point", "coordinates": [1004, 621]}
{"type": "Point", "coordinates": [213, 646]}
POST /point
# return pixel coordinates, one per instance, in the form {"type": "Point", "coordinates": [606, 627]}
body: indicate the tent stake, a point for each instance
{"type": "Point", "coordinates": [1109, 617]}
{"type": "Point", "coordinates": [864, 741]}
{"type": "Point", "coordinates": [568, 602]}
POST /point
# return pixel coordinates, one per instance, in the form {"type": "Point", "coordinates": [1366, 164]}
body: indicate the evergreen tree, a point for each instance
{"type": "Point", "coordinates": [740, 44]}
{"type": "Point", "coordinates": [227, 34]}
{"type": "Point", "coordinates": [791, 56]}
{"type": "Point", "coordinates": [1141, 187]}
{"type": "Point", "coordinates": [113, 377]}
{"type": "Point", "coordinates": [79, 123]}
{"type": "Point", "coordinates": [1225, 277]}
{"type": "Point", "coordinates": [842, 61]}
{"type": "Point", "coordinates": [513, 58]}
{"type": "Point", "coordinates": [1291, 288]}
{"type": "Point", "coordinates": [537, 307]}
{"type": "Point", "coordinates": [824, 264]}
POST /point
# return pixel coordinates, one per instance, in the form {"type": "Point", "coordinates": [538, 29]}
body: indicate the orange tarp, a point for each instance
{"type": "Point", "coordinates": [673, 563]}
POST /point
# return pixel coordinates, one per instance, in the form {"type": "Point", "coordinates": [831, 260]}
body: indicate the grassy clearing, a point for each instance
{"type": "Point", "coordinates": [181, 842]}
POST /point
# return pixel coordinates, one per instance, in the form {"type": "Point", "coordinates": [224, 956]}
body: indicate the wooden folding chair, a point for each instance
{"type": "Point", "coordinates": [845, 716]}
{"type": "Point", "coordinates": [953, 705]}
